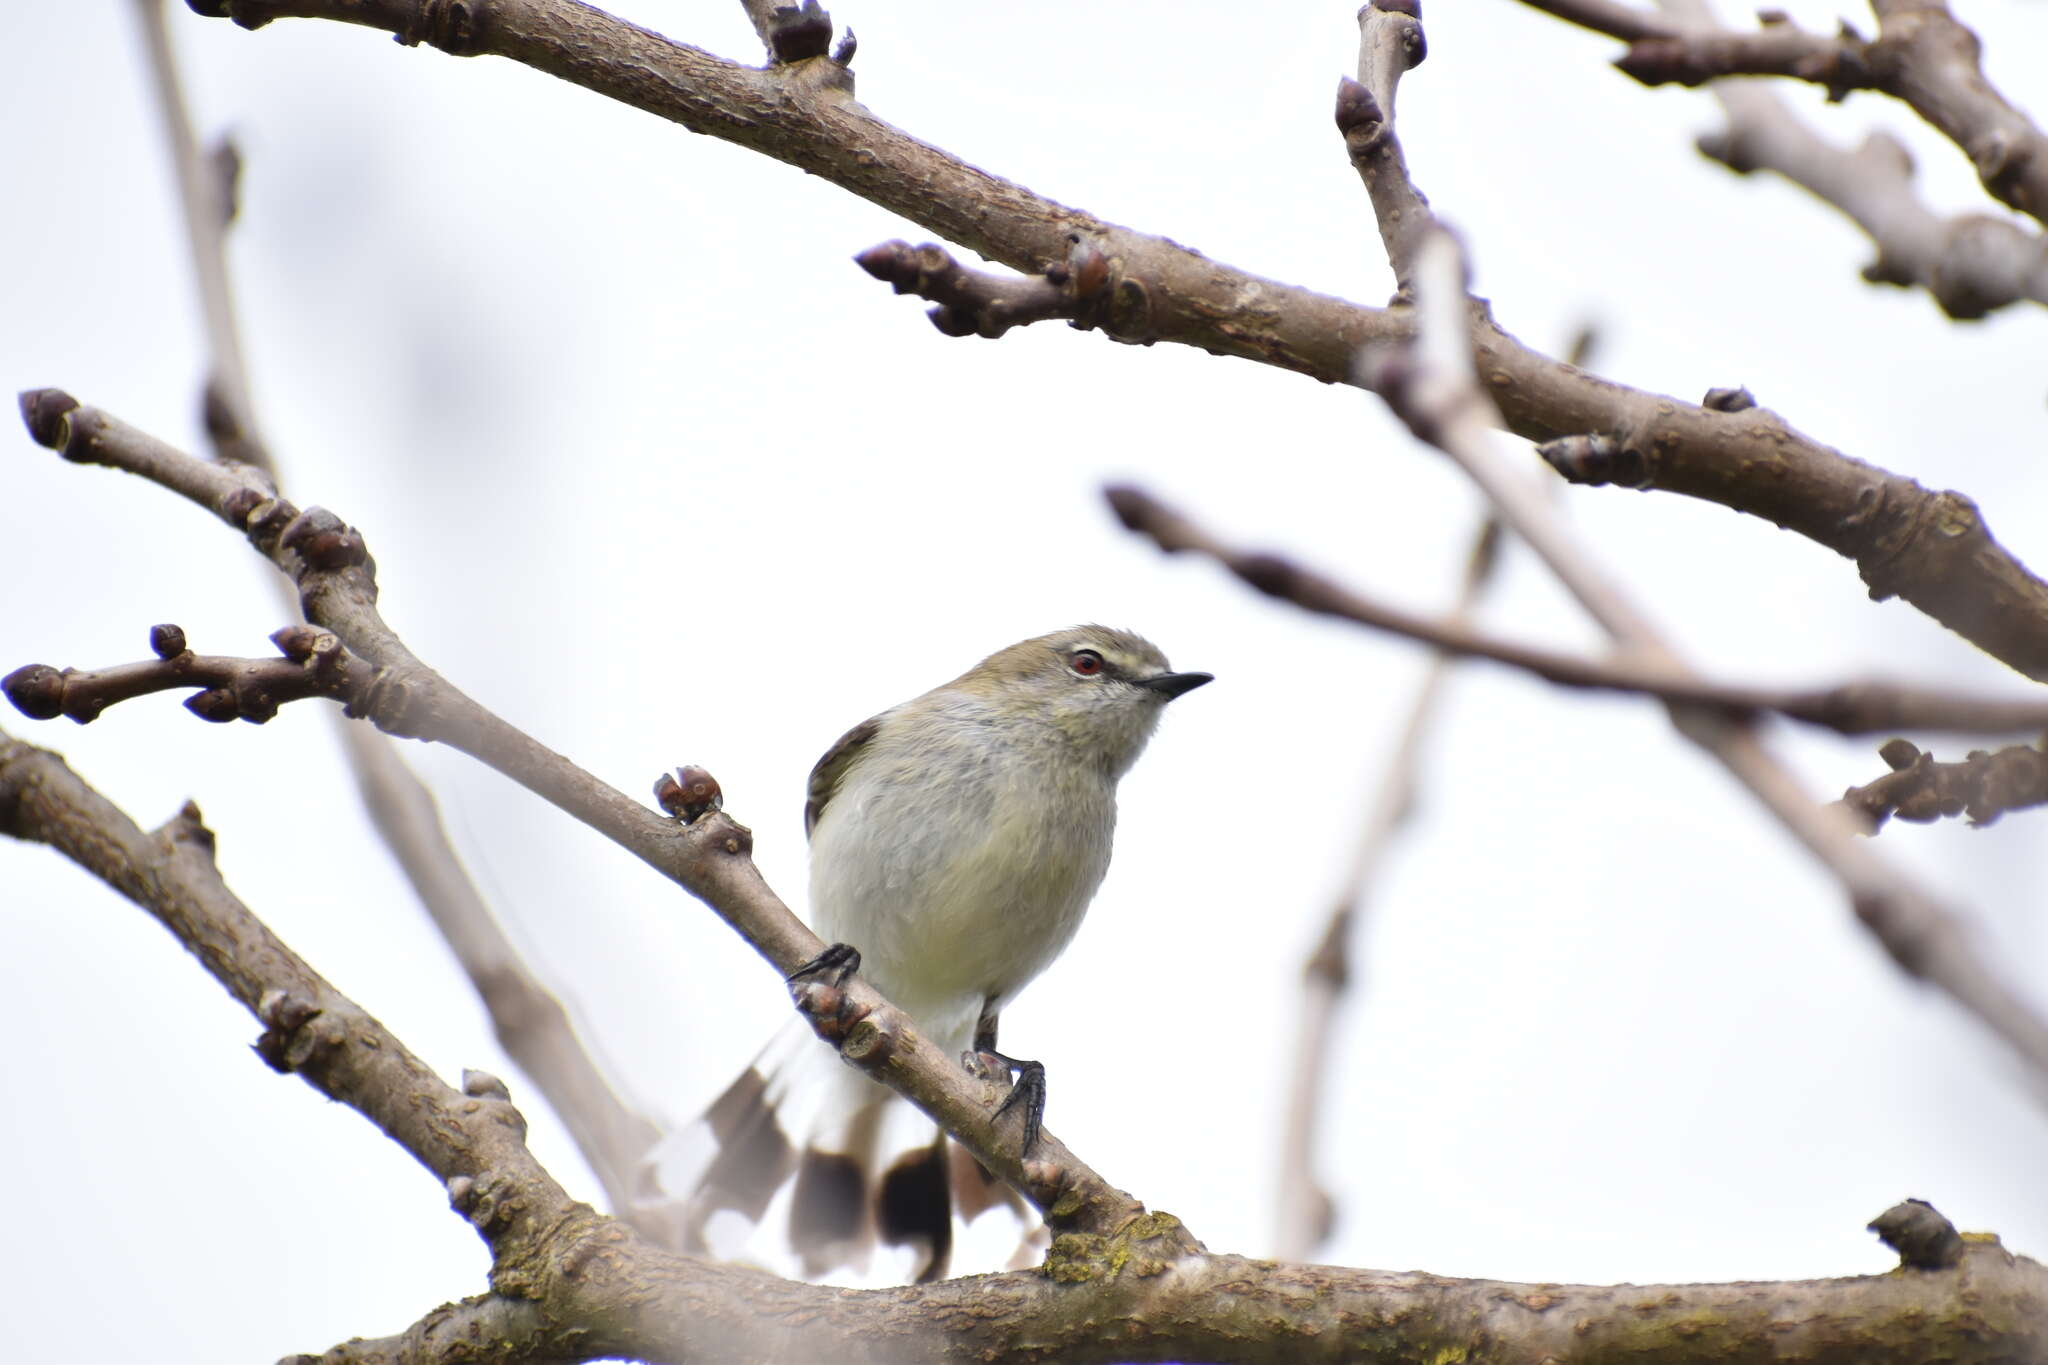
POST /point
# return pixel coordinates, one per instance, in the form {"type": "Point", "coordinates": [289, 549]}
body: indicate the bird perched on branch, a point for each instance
{"type": "Point", "coordinates": [956, 841]}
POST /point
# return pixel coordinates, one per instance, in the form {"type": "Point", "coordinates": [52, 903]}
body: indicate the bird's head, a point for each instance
{"type": "Point", "coordinates": [1102, 688]}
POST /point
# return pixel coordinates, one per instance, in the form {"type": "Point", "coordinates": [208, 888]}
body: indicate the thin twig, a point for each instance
{"type": "Point", "coordinates": [1923, 937]}
{"type": "Point", "coordinates": [970, 302]}
{"type": "Point", "coordinates": [1853, 708]}
{"type": "Point", "coordinates": [314, 664]}
{"type": "Point", "coordinates": [206, 203]}
{"type": "Point", "coordinates": [613, 1134]}
{"type": "Point", "coordinates": [1434, 387]}
{"type": "Point", "coordinates": [1983, 785]}
{"type": "Point", "coordinates": [1306, 1212]}
{"type": "Point", "coordinates": [1390, 43]}
{"type": "Point", "coordinates": [710, 857]}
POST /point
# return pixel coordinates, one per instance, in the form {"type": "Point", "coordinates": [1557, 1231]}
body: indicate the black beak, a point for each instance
{"type": "Point", "coordinates": [1171, 685]}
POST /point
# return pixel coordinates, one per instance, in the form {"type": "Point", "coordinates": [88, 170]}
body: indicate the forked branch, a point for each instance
{"type": "Point", "coordinates": [329, 563]}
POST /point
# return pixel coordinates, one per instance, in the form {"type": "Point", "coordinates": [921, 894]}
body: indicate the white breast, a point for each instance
{"type": "Point", "coordinates": [961, 864]}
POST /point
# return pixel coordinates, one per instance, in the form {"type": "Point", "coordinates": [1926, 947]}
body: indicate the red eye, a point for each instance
{"type": "Point", "coordinates": [1086, 662]}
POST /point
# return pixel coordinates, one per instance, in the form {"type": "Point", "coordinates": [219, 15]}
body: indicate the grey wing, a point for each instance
{"type": "Point", "coordinates": [832, 769]}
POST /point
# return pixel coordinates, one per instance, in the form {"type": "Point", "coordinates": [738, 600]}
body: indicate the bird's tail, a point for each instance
{"type": "Point", "coordinates": [804, 1160]}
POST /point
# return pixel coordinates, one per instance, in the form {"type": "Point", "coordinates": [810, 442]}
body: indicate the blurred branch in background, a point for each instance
{"type": "Point", "coordinates": [613, 1133]}
{"type": "Point", "coordinates": [1434, 387]}
{"type": "Point", "coordinates": [711, 857]}
{"type": "Point", "coordinates": [1971, 264]}
{"type": "Point", "coordinates": [1306, 1213]}
{"type": "Point", "coordinates": [1865, 706]}
{"type": "Point", "coordinates": [1921, 935]}
{"type": "Point", "coordinates": [1921, 56]}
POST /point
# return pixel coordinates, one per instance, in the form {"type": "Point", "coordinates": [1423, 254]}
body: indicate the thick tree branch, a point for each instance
{"type": "Point", "coordinates": [1983, 786]}
{"type": "Point", "coordinates": [570, 1284]}
{"type": "Point", "coordinates": [1921, 56]}
{"type": "Point", "coordinates": [310, 1028]}
{"type": "Point", "coordinates": [530, 1024]}
{"type": "Point", "coordinates": [710, 857]}
{"type": "Point", "coordinates": [1930, 548]}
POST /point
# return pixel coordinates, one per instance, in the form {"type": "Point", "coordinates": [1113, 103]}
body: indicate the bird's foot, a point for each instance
{"type": "Point", "coordinates": [1027, 1095]}
{"type": "Point", "coordinates": [819, 990]}
{"type": "Point", "coordinates": [840, 960]}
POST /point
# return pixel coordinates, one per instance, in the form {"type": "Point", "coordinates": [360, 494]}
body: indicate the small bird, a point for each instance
{"type": "Point", "coordinates": [956, 841]}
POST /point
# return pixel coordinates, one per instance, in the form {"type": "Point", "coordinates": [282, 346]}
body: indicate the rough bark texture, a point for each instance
{"type": "Point", "coordinates": [568, 1283]}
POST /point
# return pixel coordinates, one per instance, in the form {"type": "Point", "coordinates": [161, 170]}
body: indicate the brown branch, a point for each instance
{"type": "Point", "coordinates": [972, 302]}
{"type": "Point", "coordinates": [1838, 64]}
{"type": "Point", "coordinates": [1256, 1312]}
{"type": "Point", "coordinates": [1984, 785]}
{"type": "Point", "coordinates": [1929, 548]}
{"type": "Point", "coordinates": [529, 1023]}
{"type": "Point", "coordinates": [1440, 398]}
{"type": "Point", "coordinates": [314, 665]}
{"type": "Point", "coordinates": [310, 1029]}
{"type": "Point", "coordinates": [610, 1132]}
{"type": "Point", "coordinates": [570, 1284]}
{"type": "Point", "coordinates": [1864, 707]}
{"type": "Point", "coordinates": [1390, 43]}
{"type": "Point", "coordinates": [1434, 387]}
{"type": "Point", "coordinates": [710, 858]}
{"type": "Point", "coordinates": [1971, 264]}
{"type": "Point", "coordinates": [1922, 56]}
{"type": "Point", "coordinates": [1921, 936]}
{"type": "Point", "coordinates": [1926, 58]}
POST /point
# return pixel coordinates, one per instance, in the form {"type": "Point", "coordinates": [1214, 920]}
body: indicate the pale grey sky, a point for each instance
{"type": "Point", "coordinates": [652, 468]}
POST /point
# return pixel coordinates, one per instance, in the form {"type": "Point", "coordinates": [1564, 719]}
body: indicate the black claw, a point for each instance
{"type": "Point", "coordinates": [840, 959]}
{"type": "Point", "coordinates": [1028, 1092]}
